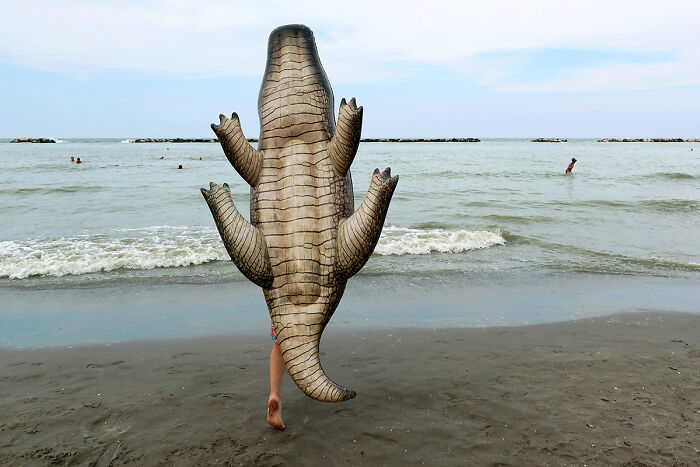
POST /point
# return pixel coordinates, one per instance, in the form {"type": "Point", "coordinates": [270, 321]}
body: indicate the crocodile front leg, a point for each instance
{"type": "Point", "coordinates": [243, 157]}
{"type": "Point", "coordinates": [359, 233]}
{"type": "Point", "coordinates": [343, 146]}
{"type": "Point", "coordinates": [244, 242]}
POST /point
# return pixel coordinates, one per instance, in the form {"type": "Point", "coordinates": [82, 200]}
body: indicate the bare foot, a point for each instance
{"type": "Point", "coordinates": [274, 413]}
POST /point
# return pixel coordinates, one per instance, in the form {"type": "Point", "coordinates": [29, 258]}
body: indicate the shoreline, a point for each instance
{"type": "Point", "coordinates": [113, 313]}
{"type": "Point", "coordinates": [609, 390]}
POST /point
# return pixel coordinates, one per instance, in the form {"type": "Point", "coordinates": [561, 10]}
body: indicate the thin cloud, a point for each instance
{"type": "Point", "coordinates": [360, 40]}
{"type": "Point", "coordinates": [680, 72]}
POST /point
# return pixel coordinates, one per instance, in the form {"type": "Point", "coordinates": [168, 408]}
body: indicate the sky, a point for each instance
{"type": "Point", "coordinates": [484, 69]}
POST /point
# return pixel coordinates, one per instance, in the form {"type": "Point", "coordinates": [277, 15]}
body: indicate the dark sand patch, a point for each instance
{"type": "Point", "coordinates": [618, 390]}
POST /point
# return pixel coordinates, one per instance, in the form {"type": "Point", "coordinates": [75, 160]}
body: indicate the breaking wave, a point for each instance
{"type": "Point", "coordinates": [407, 241]}
{"type": "Point", "coordinates": [172, 247]}
{"type": "Point", "coordinates": [672, 175]}
{"type": "Point", "coordinates": [152, 247]}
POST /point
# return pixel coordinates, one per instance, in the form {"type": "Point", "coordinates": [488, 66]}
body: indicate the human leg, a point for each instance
{"type": "Point", "coordinates": [274, 404]}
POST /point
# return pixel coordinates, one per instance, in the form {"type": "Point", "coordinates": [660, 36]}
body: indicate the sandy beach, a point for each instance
{"type": "Point", "coordinates": [615, 390]}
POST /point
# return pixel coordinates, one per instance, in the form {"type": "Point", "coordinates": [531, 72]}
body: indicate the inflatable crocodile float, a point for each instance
{"type": "Point", "coordinates": [304, 239]}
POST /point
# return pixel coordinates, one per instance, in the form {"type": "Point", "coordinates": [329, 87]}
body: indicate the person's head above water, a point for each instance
{"type": "Point", "coordinates": [573, 159]}
{"type": "Point", "coordinates": [179, 166]}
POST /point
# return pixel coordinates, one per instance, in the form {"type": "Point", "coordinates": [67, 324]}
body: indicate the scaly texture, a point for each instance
{"type": "Point", "coordinates": [346, 139]}
{"type": "Point", "coordinates": [303, 241]}
{"type": "Point", "coordinates": [244, 242]}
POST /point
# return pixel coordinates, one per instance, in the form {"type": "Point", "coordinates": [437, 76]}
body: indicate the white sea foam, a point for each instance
{"type": "Point", "coordinates": [406, 241]}
{"type": "Point", "coordinates": [167, 247]}
{"type": "Point", "coordinates": [149, 248]}
{"type": "Point", "coordinates": [127, 141]}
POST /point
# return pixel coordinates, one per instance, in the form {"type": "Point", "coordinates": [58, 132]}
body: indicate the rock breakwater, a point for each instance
{"type": "Point", "coordinates": [33, 140]}
{"type": "Point", "coordinates": [649, 140]}
{"type": "Point", "coordinates": [364, 140]}
{"type": "Point", "coordinates": [420, 140]}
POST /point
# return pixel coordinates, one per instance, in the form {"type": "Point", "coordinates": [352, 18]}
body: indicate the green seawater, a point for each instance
{"type": "Point", "coordinates": [463, 214]}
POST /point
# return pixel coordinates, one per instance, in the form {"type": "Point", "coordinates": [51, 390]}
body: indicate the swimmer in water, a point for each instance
{"type": "Point", "coordinates": [78, 161]}
{"type": "Point", "coordinates": [571, 166]}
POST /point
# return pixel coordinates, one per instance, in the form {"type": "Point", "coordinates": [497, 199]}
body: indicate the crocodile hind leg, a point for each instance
{"type": "Point", "coordinates": [244, 242]}
{"type": "Point", "coordinates": [359, 233]}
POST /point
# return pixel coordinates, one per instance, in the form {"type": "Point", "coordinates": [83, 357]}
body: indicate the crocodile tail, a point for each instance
{"type": "Point", "coordinates": [301, 355]}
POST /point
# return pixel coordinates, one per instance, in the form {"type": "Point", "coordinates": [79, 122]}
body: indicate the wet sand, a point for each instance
{"type": "Point", "coordinates": [616, 390]}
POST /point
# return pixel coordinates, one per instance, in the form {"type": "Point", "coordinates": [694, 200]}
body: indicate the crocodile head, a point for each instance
{"type": "Point", "coordinates": [294, 84]}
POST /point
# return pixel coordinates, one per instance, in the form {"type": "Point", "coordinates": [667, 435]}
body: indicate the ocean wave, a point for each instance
{"type": "Point", "coordinates": [50, 190]}
{"type": "Point", "coordinates": [672, 175]}
{"type": "Point", "coordinates": [606, 263]}
{"type": "Point", "coordinates": [127, 141]}
{"type": "Point", "coordinates": [397, 240]}
{"type": "Point", "coordinates": [671, 204]}
{"type": "Point", "coordinates": [665, 205]}
{"type": "Point", "coordinates": [172, 247]}
{"type": "Point", "coordinates": [567, 257]}
{"type": "Point", "coordinates": [500, 219]}
{"type": "Point", "coordinates": [148, 248]}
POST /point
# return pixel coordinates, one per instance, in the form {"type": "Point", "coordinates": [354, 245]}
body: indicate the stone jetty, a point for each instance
{"type": "Point", "coordinates": [174, 140]}
{"type": "Point", "coordinates": [33, 140]}
{"type": "Point", "coordinates": [420, 140]}
{"type": "Point", "coordinates": [364, 140]}
{"type": "Point", "coordinates": [649, 140]}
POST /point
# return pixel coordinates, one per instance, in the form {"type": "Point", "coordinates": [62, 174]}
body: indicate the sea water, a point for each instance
{"type": "Point", "coordinates": [468, 221]}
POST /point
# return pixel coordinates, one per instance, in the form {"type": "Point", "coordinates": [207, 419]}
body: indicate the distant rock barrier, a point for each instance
{"type": "Point", "coordinates": [365, 140]}
{"type": "Point", "coordinates": [649, 140]}
{"type": "Point", "coordinates": [33, 140]}
{"type": "Point", "coordinates": [420, 140]}
{"type": "Point", "coordinates": [174, 140]}
{"type": "Point", "coordinates": [548, 140]}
